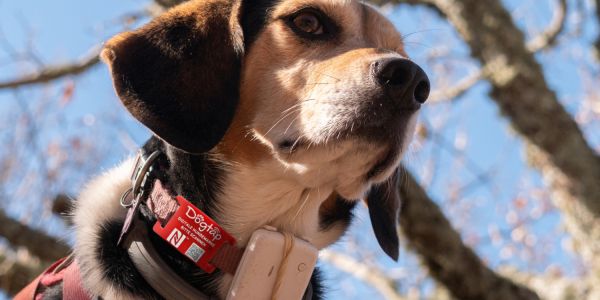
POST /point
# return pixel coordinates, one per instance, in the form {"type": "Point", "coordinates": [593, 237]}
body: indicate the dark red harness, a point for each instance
{"type": "Point", "coordinates": [66, 271]}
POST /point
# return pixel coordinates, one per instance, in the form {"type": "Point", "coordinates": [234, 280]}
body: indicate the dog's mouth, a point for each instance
{"type": "Point", "coordinates": [396, 136]}
{"type": "Point", "coordinates": [392, 140]}
{"type": "Point", "coordinates": [387, 161]}
{"type": "Point", "coordinates": [389, 133]}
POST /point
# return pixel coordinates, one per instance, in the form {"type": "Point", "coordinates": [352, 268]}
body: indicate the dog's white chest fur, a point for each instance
{"type": "Point", "coordinates": [253, 197]}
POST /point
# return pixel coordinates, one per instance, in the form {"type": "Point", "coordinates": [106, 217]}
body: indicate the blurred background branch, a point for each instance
{"type": "Point", "coordinates": [597, 43]}
{"type": "Point", "coordinates": [550, 35]}
{"type": "Point", "coordinates": [35, 241]}
{"type": "Point", "coordinates": [502, 54]}
{"type": "Point", "coordinates": [369, 274]}
{"type": "Point", "coordinates": [15, 273]}
{"type": "Point", "coordinates": [53, 72]}
{"type": "Point", "coordinates": [443, 252]}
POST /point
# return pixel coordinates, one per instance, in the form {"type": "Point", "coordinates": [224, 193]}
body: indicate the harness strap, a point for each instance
{"type": "Point", "coordinates": [72, 285]}
{"type": "Point", "coordinates": [64, 270]}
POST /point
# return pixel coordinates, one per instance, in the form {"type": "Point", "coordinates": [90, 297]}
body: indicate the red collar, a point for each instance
{"type": "Point", "coordinates": [184, 226]}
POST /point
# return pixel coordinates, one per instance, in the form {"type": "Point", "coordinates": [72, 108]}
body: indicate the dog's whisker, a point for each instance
{"type": "Point", "coordinates": [321, 73]}
{"type": "Point", "coordinates": [293, 106]}
{"type": "Point", "coordinates": [291, 123]}
{"type": "Point", "coordinates": [318, 83]}
{"type": "Point", "coordinates": [248, 132]}
{"type": "Point", "coordinates": [302, 205]}
{"type": "Point", "coordinates": [404, 36]}
{"type": "Point", "coordinates": [295, 143]}
{"type": "Point", "coordinates": [289, 111]}
{"type": "Point", "coordinates": [280, 120]}
{"type": "Point", "coordinates": [296, 105]}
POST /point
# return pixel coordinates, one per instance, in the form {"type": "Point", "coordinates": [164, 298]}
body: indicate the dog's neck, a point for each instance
{"type": "Point", "coordinates": [260, 189]}
{"type": "Point", "coordinates": [243, 196]}
{"type": "Point", "coordinates": [209, 182]}
{"type": "Point", "coordinates": [265, 194]}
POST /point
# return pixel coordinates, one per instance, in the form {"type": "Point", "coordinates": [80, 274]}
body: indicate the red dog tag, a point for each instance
{"type": "Point", "coordinates": [194, 234]}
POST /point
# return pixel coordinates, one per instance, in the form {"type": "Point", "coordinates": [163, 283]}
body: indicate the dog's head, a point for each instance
{"type": "Point", "coordinates": [324, 86]}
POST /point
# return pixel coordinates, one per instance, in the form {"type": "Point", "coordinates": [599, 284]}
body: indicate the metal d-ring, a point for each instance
{"type": "Point", "coordinates": [124, 197]}
{"type": "Point", "coordinates": [138, 180]}
{"type": "Point", "coordinates": [141, 174]}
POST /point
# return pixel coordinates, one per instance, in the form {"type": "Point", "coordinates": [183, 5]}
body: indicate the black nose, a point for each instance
{"type": "Point", "coordinates": [402, 80]}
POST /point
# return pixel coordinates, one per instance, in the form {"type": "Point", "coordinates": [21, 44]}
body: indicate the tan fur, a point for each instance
{"type": "Point", "coordinates": [287, 86]}
{"type": "Point", "coordinates": [287, 89]}
{"type": "Point", "coordinates": [288, 191]}
{"type": "Point", "coordinates": [302, 184]}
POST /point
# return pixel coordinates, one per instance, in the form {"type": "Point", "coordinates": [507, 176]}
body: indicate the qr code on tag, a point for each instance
{"type": "Point", "coordinates": [194, 252]}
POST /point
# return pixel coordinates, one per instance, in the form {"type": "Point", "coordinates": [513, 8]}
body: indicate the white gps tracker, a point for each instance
{"type": "Point", "coordinates": [258, 270]}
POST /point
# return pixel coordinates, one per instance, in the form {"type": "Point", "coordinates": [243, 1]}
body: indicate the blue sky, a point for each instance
{"type": "Point", "coordinates": [66, 29]}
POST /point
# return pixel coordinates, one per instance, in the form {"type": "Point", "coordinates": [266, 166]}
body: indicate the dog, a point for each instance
{"type": "Point", "coordinates": [284, 113]}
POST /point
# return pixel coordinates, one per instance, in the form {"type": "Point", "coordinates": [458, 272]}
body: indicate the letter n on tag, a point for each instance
{"type": "Point", "coordinates": [176, 238]}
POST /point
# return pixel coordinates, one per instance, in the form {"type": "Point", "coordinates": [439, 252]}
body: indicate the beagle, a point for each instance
{"type": "Point", "coordinates": [267, 112]}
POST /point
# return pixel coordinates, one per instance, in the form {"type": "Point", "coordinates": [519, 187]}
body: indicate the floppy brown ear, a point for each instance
{"type": "Point", "coordinates": [179, 75]}
{"type": "Point", "coordinates": [383, 202]}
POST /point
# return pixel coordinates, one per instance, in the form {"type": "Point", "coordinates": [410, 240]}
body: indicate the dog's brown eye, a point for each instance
{"type": "Point", "coordinates": [308, 23]}
{"type": "Point", "coordinates": [311, 24]}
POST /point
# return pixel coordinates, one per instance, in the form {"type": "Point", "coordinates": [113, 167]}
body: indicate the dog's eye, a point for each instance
{"type": "Point", "coordinates": [311, 24]}
{"type": "Point", "coordinates": [308, 22]}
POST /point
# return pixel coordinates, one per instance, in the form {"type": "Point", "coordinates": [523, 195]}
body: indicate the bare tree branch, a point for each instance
{"type": "Point", "coordinates": [540, 42]}
{"type": "Point", "coordinates": [50, 73]}
{"type": "Point", "coordinates": [91, 59]}
{"type": "Point", "coordinates": [556, 27]}
{"type": "Point", "coordinates": [370, 275]}
{"type": "Point", "coordinates": [37, 242]}
{"type": "Point", "coordinates": [555, 144]}
{"type": "Point", "coordinates": [463, 86]}
{"type": "Point", "coordinates": [441, 249]}
{"type": "Point", "coordinates": [597, 43]}
{"type": "Point", "coordinates": [553, 285]}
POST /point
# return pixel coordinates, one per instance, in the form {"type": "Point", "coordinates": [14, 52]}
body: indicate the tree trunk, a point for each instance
{"type": "Point", "coordinates": [441, 249]}
{"type": "Point", "coordinates": [555, 144]}
{"type": "Point", "coordinates": [37, 242]}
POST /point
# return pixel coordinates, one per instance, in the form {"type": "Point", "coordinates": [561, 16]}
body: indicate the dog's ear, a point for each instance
{"type": "Point", "coordinates": [383, 202]}
{"type": "Point", "coordinates": [179, 75]}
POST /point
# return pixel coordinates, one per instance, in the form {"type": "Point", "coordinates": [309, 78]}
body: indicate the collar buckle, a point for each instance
{"type": "Point", "coordinates": [134, 196]}
{"type": "Point", "coordinates": [140, 175]}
